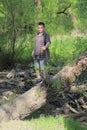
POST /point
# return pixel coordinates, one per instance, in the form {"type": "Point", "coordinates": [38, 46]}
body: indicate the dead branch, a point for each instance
{"type": "Point", "coordinates": [64, 10]}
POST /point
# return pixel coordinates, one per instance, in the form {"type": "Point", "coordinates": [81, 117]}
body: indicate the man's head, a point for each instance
{"type": "Point", "coordinates": [41, 27]}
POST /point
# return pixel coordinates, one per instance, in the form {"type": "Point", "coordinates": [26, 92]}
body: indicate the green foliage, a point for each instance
{"type": "Point", "coordinates": [44, 123]}
{"type": "Point", "coordinates": [24, 47]}
{"type": "Point", "coordinates": [66, 49]}
{"type": "Point", "coordinates": [18, 25]}
{"type": "Point", "coordinates": [57, 84]}
{"type": "Point", "coordinates": [80, 11]}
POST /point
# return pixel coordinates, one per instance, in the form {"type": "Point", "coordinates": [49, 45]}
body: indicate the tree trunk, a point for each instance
{"type": "Point", "coordinates": [78, 88]}
{"type": "Point", "coordinates": [24, 104]}
{"type": "Point", "coordinates": [34, 98]}
{"type": "Point", "coordinates": [69, 74]}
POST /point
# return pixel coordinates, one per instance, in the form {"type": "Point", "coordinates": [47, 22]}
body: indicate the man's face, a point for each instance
{"type": "Point", "coordinates": [41, 28]}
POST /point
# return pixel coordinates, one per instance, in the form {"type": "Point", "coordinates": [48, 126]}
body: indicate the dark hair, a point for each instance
{"type": "Point", "coordinates": [41, 23]}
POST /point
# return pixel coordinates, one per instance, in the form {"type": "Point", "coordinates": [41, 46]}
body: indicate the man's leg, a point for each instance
{"type": "Point", "coordinates": [41, 69]}
{"type": "Point", "coordinates": [44, 72]}
{"type": "Point", "coordinates": [37, 69]}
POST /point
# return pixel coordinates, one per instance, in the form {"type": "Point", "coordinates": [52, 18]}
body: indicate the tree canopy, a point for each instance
{"type": "Point", "coordinates": [19, 18]}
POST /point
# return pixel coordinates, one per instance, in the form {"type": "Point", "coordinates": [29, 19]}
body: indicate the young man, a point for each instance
{"type": "Point", "coordinates": [41, 52]}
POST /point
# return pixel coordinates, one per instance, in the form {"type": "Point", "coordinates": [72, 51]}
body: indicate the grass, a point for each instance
{"type": "Point", "coordinates": [65, 50]}
{"type": "Point", "coordinates": [43, 123]}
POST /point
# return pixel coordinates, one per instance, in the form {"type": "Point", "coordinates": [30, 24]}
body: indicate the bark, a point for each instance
{"type": "Point", "coordinates": [64, 10]}
{"type": "Point", "coordinates": [34, 98]}
{"type": "Point", "coordinates": [24, 104]}
{"type": "Point", "coordinates": [78, 88]}
{"type": "Point", "coordinates": [69, 74]}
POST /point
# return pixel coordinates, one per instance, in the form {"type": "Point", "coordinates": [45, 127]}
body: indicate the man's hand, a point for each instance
{"type": "Point", "coordinates": [43, 48]}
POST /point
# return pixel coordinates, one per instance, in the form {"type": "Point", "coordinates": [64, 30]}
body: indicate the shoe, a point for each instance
{"type": "Point", "coordinates": [38, 81]}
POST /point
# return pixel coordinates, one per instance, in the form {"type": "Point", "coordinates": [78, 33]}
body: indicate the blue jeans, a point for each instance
{"type": "Point", "coordinates": [41, 64]}
{"type": "Point", "coordinates": [40, 67]}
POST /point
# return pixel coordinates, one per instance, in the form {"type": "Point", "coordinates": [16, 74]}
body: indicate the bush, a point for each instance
{"type": "Point", "coordinates": [65, 50]}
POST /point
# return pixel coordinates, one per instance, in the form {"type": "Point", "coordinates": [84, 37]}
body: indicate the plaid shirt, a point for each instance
{"type": "Point", "coordinates": [42, 39]}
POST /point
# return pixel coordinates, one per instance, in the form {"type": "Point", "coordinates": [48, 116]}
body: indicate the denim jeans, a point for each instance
{"type": "Point", "coordinates": [40, 66]}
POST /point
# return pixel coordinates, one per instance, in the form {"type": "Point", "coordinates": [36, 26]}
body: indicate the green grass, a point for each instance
{"type": "Point", "coordinates": [65, 50]}
{"type": "Point", "coordinates": [43, 123]}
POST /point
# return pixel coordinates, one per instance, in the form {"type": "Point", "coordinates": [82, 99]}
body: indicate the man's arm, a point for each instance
{"type": "Point", "coordinates": [33, 53]}
{"type": "Point", "coordinates": [47, 41]}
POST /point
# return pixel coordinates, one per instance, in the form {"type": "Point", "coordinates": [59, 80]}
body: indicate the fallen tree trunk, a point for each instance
{"type": "Point", "coordinates": [69, 74]}
{"type": "Point", "coordinates": [24, 104]}
{"type": "Point", "coordinates": [78, 88]}
{"type": "Point", "coordinates": [34, 98]}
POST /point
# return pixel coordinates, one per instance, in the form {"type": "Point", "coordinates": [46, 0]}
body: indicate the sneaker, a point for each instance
{"type": "Point", "coordinates": [38, 81]}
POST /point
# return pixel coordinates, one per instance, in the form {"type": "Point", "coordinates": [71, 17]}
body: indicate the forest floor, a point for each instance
{"type": "Point", "coordinates": [20, 79]}
{"type": "Point", "coordinates": [42, 123]}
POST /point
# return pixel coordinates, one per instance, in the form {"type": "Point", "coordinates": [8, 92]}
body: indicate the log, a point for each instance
{"type": "Point", "coordinates": [75, 116]}
{"type": "Point", "coordinates": [69, 74]}
{"type": "Point", "coordinates": [3, 74]}
{"type": "Point", "coordinates": [34, 98]}
{"type": "Point", "coordinates": [24, 104]}
{"type": "Point", "coordinates": [78, 88]}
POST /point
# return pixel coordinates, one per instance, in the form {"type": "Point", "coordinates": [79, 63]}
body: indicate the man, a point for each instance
{"type": "Point", "coordinates": [41, 52]}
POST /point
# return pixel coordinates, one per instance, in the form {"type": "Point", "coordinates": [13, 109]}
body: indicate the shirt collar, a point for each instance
{"type": "Point", "coordinates": [39, 33]}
